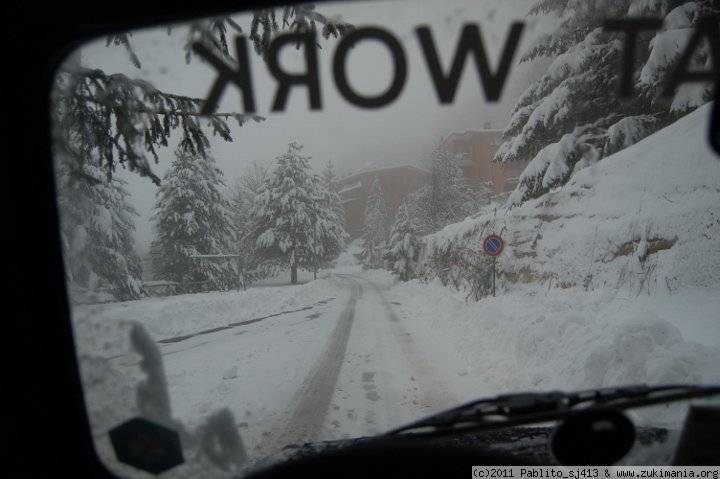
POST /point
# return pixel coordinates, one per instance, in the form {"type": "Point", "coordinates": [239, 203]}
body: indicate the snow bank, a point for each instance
{"type": "Point", "coordinates": [645, 219]}
{"type": "Point", "coordinates": [567, 339]}
{"type": "Point", "coordinates": [611, 279]}
{"type": "Point", "coordinates": [103, 329]}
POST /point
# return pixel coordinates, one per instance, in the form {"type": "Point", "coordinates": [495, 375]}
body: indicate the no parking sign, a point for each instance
{"type": "Point", "coordinates": [493, 245]}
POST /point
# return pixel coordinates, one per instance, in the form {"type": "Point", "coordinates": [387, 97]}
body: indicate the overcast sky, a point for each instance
{"type": "Point", "coordinates": [350, 137]}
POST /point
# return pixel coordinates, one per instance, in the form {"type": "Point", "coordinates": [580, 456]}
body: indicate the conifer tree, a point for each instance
{"type": "Point", "coordinates": [192, 217]}
{"type": "Point", "coordinates": [330, 179]}
{"type": "Point", "coordinates": [333, 203]}
{"type": "Point", "coordinates": [242, 198]}
{"type": "Point", "coordinates": [287, 212]}
{"type": "Point", "coordinates": [329, 225]}
{"type": "Point", "coordinates": [445, 197]}
{"type": "Point", "coordinates": [104, 120]}
{"type": "Point", "coordinates": [572, 116]}
{"type": "Point", "coordinates": [96, 229]}
{"type": "Point", "coordinates": [403, 246]}
{"type": "Point", "coordinates": [375, 227]}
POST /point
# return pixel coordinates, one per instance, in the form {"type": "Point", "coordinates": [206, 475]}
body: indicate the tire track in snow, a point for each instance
{"type": "Point", "coordinates": [312, 401]}
{"type": "Point", "coordinates": [434, 393]}
{"type": "Point", "coordinates": [177, 339]}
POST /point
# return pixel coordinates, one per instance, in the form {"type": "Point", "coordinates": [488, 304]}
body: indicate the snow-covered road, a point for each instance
{"type": "Point", "coordinates": [386, 379]}
{"type": "Point", "coordinates": [355, 353]}
{"type": "Point", "coordinates": [361, 373]}
{"type": "Point", "coordinates": [343, 366]}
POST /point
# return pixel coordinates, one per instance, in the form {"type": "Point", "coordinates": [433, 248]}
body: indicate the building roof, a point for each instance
{"type": "Point", "coordinates": [490, 132]}
{"type": "Point", "coordinates": [368, 170]}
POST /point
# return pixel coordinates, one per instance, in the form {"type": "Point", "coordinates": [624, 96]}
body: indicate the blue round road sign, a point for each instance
{"type": "Point", "coordinates": [493, 245]}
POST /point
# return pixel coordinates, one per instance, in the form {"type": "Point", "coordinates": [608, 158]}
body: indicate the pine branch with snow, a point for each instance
{"type": "Point", "coordinates": [97, 228]}
{"type": "Point", "coordinates": [578, 90]}
{"type": "Point", "coordinates": [268, 23]}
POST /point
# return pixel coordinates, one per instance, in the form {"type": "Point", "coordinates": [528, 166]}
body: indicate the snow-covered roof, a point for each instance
{"type": "Point", "coordinates": [351, 187]}
{"type": "Point", "coordinates": [494, 132]}
{"type": "Point", "coordinates": [379, 169]}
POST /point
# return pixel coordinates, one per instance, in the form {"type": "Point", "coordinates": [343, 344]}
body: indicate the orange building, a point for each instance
{"type": "Point", "coordinates": [478, 148]}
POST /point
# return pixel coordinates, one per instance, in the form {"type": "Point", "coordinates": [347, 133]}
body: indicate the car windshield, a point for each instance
{"type": "Point", "coordinates": [321, 222]}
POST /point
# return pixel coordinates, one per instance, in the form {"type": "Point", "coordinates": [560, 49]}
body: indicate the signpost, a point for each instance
{"type": "Point", "coordinates": [493, 245]}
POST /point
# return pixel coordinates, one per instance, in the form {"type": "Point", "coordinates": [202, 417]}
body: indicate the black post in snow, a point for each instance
{"type": "Point", "coordinates": [493, 276]}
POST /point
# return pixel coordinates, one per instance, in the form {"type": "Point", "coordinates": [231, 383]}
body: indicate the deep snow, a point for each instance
{"type": "Point", "coordinates": [609, 280]}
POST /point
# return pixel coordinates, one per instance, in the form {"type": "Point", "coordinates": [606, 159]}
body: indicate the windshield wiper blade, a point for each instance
{"type": "Point", "coordinates": [526, 408]}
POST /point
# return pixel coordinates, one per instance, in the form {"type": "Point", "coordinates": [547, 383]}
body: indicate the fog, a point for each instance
{"type": "Point", "coordinates": [350, 137]}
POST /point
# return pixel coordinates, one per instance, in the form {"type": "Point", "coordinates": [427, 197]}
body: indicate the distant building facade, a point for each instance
{"type": "Point", "coordinates": [478, 148]}
{"type": "Point", "coordinates": [397, 182]}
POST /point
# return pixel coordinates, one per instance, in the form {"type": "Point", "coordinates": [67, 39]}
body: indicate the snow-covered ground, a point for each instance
{"type": "Point", "coordinates": [325, 360]}
{"type": "Point", "coordinates": [562, 338]}
{"type": "Point", "coordinates": [264, 342]}
{"type": "Point", "coordinates": [643, 220]}
{"type": "Point", "coordinates": [610, 280]}
{"type": "Point", "coordinates": [359, 353]}
{"type": "Point", "coordinates": [98, 327]}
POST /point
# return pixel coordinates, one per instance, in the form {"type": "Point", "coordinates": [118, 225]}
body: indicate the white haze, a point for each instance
{"type": "Point", "coordinates": [352, 138]}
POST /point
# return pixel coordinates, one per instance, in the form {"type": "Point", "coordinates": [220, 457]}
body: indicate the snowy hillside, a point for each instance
{"type": "Point", "coordinates": [611, 279]}
{"type": "Point", "coordinates": [646, 219]}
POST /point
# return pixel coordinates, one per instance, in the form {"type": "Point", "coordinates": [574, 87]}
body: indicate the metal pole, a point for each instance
{"type": "Point", "coordinates": [493, 276]}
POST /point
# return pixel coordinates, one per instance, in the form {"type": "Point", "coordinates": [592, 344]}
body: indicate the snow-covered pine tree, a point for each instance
{"type": "Point", "coordinates": [572, 117]}
{"type": "Point", "coordinates": [192, 217]}
{"type": "Point", "coordinates": [328, 218]}
{"type": "Point", "coordinates": [96, 226]}
{"type": "Point", "coordinates": [445, 197]}
{"type": "Point", "coordinates": [285, 211]}
{"type": "Point", "coordinates": [330, 179]}
{"type": "Point", "coordinates": [242, 198]}
{"type": "Point", "coordinates": [336, 213]}
{"type": "Point", "coordinates": [102, 120]}
{"type": "Point", "coordinates": [374, 233]}
{"type": "Point", "coordinates": [403, 247]}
